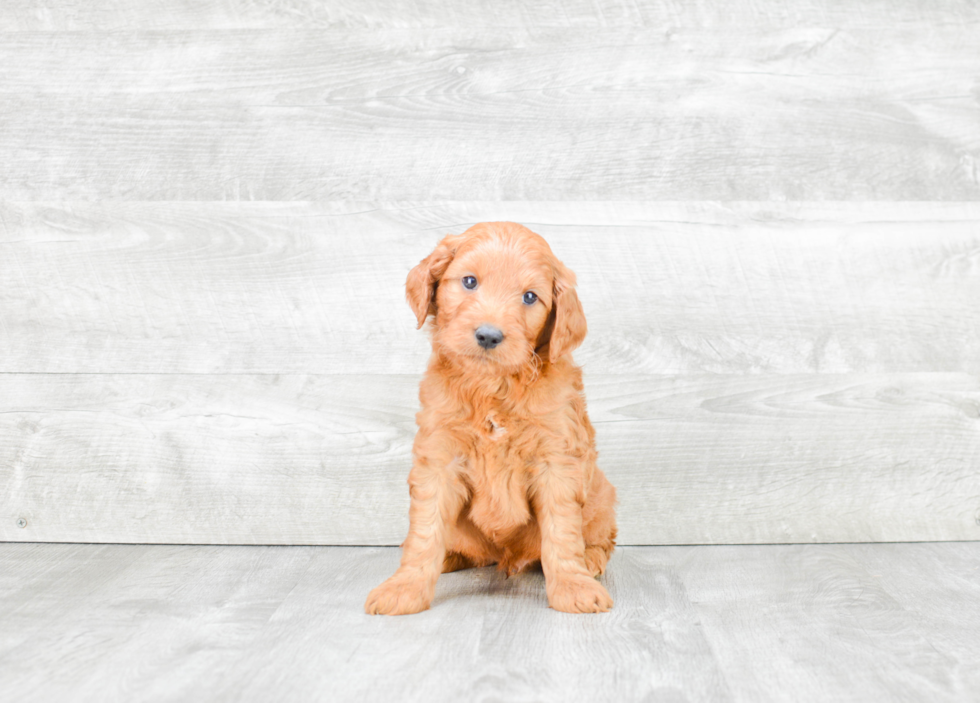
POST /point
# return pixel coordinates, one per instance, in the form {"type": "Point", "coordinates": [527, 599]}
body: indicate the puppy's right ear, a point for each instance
{"type": "Point", "coordinates": [423, 280]}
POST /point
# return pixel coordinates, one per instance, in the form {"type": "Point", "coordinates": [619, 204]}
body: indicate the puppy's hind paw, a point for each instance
{"type": "Point", "coordinates": [579, 594]}
{"type": "Point", "coordinates": [595, 560]}
{"type": "Point", "coordinates": [398, 596]}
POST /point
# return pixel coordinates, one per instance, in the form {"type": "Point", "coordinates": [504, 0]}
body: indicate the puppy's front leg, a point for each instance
{"type": "Point", "coordinates": [437, 497]}
{"type": "Point", "coordinates": [558, 503]}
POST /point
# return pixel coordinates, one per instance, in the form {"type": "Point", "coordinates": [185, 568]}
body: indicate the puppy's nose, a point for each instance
{"type": "Point", "coordinates": [488, 337]}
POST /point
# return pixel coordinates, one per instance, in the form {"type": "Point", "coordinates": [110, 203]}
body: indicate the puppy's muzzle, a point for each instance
{"type": "Point", "coordinates": [488, 337]}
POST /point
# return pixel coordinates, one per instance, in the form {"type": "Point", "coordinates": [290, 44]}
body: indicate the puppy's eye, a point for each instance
{"type": "Point", "coordinates": [469, 282]}
{"type": "Point", "coordinates": [530, 298]}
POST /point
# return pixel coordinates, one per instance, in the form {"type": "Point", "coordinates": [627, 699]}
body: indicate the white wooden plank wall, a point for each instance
{"type": "Point", "coordinates": [83, 15]}
{"type": "Point", "coordinates": [319, 288]}
{"type": "Point", "coordinates": [303, 459]}
{"type": "Point", "coordinates": [772, 211]}
{"type": "Point", "coordinates": [527, 113]}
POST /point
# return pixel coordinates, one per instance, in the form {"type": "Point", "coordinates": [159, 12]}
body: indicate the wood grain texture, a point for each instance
{"type": "Point", "coordinates": [811, 113]}
{"type": "Point", "coordinates": [940, 586]}
{"type": "Point", "coordinates": [323, 459]}
{"type": "Point", "coordinates": [678, 288]}
{"type": "Point", "coordinates": [823, 623]}
{"type": "Point", "coordinates": [81, 15]}
{"type": "Point", "coordinates": [160, 623]}
{"type": "Point", "coordinates": [245, 372]}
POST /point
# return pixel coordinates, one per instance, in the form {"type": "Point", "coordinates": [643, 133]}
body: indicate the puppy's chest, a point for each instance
{"type": "Point", "coordinates": [500, 437]}
{"type": "Point", "coordinates": [499, 470]}
{"type": "Point", "coordinates": [494, 427]}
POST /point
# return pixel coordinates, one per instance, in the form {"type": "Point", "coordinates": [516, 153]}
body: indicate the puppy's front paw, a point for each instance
{"type": "Point", "coordinates": [398, 596]}
{"type": "Point", "coordinates": [578, 593]}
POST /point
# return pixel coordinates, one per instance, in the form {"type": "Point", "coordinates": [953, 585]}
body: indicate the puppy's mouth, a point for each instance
{"type": "Point", "coordinates": [502, 358]}
{"type": "Point", "coordinates": [477, 351]}
{"type": "Point", "coordinates": [488, 357]}
{"type": "Point", "coordinates": [497, 359]}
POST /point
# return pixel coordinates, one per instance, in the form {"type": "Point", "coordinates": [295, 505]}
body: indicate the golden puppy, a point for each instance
{"type": "Point", "coordinates": [504, 467]}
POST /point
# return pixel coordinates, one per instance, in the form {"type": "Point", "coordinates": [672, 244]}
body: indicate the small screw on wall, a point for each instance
{"type": "Point", "coordinates": [22, 523]}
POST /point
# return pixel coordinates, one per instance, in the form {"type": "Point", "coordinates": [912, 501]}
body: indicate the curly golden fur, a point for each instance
{"type": "Point", "coordinates": [504, 462]}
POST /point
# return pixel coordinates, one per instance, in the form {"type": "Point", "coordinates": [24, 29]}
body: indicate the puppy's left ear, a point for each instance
{"type": "Point", "coordinates": [569, 318]}
{"type": "Point", "coordinates": [423, 280]}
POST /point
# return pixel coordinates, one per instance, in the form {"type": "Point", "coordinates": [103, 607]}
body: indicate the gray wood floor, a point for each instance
{"type": "Point", "coordinates": [859, 622]}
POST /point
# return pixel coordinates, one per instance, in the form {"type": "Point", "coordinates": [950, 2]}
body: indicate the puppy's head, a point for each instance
{"type": "Point", "coordinates": [500, 298]}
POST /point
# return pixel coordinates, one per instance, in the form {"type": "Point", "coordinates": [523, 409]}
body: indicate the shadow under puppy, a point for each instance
{"type": "Point", "coordinates": [504, 462]}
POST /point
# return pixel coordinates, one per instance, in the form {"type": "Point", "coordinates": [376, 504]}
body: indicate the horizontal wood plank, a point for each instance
{"type": "Point", "coordinates": [811, 113]}
{"type": "Point", "coordinates": [323, 459]}
{"type": "Point", "coordinates": [318, 288]}
{"type": "Point", "coordinates": [464, 73]}
{"type": "Point", "coordinates": [80, 15]}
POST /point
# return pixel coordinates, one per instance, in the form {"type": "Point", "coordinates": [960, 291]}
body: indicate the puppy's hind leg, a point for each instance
{"type": "Point", "coordinates": [456, 562]}
{"type": "Point", "coordinates": [599, 528]}
{"type": "Point", "coordinates": [596, 558]}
